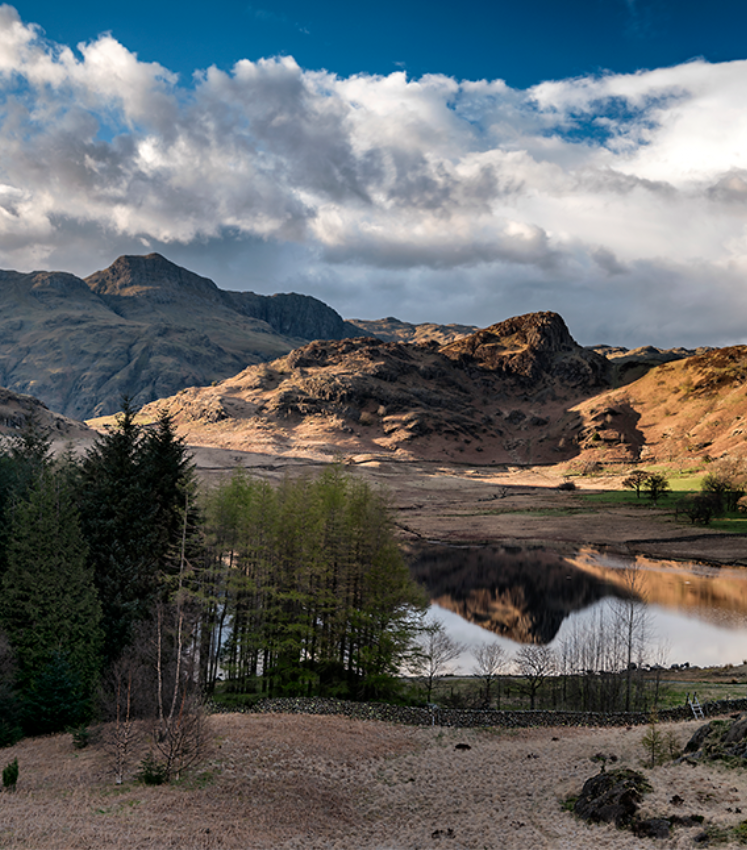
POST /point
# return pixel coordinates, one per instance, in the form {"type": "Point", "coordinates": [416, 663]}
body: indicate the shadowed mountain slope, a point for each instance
{"type": "Point", "coordinates": [144, 327]}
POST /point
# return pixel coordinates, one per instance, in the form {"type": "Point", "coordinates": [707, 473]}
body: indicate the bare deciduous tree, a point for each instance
{"type": "Point", "coordinates": [535, 662]}
{"type": "Point", "coordinates": [490, 660]}
{"type": "Point", "coordinates": [632, 624]}
{"type": "Point", "coordinates": [179, 729]}
{"type": "Point", "coordinates": [433, 657]}
{"type": "Point", "coordinates": [123, 730]}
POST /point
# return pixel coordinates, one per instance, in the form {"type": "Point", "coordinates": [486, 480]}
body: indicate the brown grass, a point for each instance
{"type": "Point", "coordinates": [329, 782]}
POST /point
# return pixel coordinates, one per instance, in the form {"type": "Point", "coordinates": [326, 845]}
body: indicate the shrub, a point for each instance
{"type": "Point", "coordinates": [152, 771]}
{"type": "Point", "coordinates": [10, 775]}
{"type": "Point", "coordinates": [81, 737]}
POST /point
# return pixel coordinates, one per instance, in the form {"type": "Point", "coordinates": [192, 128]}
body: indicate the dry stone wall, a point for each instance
{"type": "Point", "coordinates": [466, 718]}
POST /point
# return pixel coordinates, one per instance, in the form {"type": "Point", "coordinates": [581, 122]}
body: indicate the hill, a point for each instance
{"type": "Point", "coordinates": [394, 330]}
{"type": "Point", "coordinates": [17, 409]}
{"type": "Point", "coordinates": [143, 327]}
{"type": "Point", "coordinates": [521, 392]}
{"type": "Point", "coordinates": [684, 411]}
{"type": "Point", "coordinates": [501, 395]}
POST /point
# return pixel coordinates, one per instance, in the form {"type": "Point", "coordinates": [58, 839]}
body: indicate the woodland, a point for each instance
{"type": "Point", "coordinates": [127, 593]}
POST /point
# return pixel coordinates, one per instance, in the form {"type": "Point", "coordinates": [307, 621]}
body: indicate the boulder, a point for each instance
{"type": "Point", "coordinates": [612, 797]}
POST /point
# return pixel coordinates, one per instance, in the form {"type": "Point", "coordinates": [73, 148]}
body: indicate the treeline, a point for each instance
{"type": "Point", "coordinates": [125, 592]}
{"type": "Point", "coordinates": [312, 586]}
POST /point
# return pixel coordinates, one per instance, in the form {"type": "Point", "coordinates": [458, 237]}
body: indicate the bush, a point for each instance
{"type": "Point", "coordinates": [10, 775]}
{"type": "Point", "coordinates": [152, 771]}
{"type": "Point", "coordinates": [81, 737]}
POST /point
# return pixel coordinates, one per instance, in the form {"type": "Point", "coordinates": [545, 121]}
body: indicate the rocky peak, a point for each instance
{"type": "Point", "coordinates": [153, 278]}
{"type": "Point", "coordinates": [540, 332]}
{"type": "Point", "coordinates": [294, 315]}
{"type": "Point", "coordinates": [533, 349]}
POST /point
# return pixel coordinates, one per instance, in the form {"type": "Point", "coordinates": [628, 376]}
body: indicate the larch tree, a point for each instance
{"type": "Point", "coordinates": [307, 586]}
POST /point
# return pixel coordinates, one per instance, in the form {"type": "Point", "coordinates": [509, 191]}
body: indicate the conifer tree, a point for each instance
{"type": "Point", "coordinates": [114, 512]}
{"type": "Point", "coordinates": [49, 608]}
{"type": "Point", "coordinates": [23, 458]}
{"type": "Point", "coordinates": [134, 488]}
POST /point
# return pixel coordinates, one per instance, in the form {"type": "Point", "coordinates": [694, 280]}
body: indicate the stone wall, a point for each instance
{"type": "Point", "coordinates": [464, 718]}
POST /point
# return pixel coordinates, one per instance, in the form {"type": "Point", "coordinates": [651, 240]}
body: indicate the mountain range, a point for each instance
{"type": "Point", "coordinates": [287, 373]}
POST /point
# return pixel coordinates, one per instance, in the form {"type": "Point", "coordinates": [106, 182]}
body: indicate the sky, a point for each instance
{"type": "Point", "coordinates": [434, 162]}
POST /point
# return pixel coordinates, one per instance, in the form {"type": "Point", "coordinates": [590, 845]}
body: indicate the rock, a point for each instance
{"type": "Point", "coordinates": [612, 797]}
{"type": "Point", "coordinates": [698, 738]}
{"type": "Point", "coordinates": [652, 828]}
{"type": "Point", "coordinates": [738, 731]}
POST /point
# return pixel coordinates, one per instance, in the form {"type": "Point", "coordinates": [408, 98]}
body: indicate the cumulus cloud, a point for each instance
{"type": "Point", "coordinates": [574, 191]}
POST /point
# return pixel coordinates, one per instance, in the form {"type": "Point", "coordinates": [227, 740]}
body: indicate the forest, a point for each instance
{"type": "Point", "coordinates": [129, 592]}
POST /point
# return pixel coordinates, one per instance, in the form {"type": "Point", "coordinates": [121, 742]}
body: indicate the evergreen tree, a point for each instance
{"type": "Point", "coordinates": [49, 608]}
{"type": "Point", "coordinates": [134, 488]}
{"type": "Point", "coordinates": [23, 458]}
{"type": "Point", "coordinates": [10, 703]}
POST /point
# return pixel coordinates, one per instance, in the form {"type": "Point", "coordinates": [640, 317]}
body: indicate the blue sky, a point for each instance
{"type": "Point", "coordinates": [429, 161]}
{"type": "Point", "coordinates": [522, 43]}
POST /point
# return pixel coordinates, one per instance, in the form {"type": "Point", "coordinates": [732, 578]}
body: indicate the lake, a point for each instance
{"type": "Point", "coordinates": [516, 595]}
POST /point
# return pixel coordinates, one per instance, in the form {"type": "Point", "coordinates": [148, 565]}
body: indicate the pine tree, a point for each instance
{"type": "Point", "coordinates": [49, 608]}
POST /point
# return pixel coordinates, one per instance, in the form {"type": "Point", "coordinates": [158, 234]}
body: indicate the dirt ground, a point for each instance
{"type": "Point", "coordinates": [460, 503]}
{"type": "Point", "coordinates": [293, 782]}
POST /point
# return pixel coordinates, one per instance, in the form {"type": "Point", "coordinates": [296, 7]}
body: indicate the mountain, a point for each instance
{"type": "Point", "coordinates": [144, 327]}
{"type": "Point", "coordinates": [394, 330]}
{"type": "Point", "coordinates": [629, 365]}
{"type": "Point", "coordinates": [500, 395]}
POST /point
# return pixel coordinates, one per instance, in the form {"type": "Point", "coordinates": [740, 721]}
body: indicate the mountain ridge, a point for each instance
{"type": "Point", "coordinates": [143, 327]}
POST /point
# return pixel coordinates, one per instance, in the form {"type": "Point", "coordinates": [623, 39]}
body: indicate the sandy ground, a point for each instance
{"type": "Point", "coordinates": [331, 782]}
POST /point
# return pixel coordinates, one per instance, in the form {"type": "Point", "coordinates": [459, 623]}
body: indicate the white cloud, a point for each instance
{"type": "Point", "coordinates": [577, 191]}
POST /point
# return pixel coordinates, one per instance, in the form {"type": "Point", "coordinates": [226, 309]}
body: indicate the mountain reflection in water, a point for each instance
{"type": "Point", "coordinates": [525, 593]}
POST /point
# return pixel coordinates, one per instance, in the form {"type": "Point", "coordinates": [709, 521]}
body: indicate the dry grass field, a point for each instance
{"type": "Point", "coordinates": [291, 781]}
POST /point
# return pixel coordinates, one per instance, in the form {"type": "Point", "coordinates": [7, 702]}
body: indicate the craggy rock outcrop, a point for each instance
{"type": "Point", "coordinates": [294, 315]}
{"type": "Point", "coordinates": [720, 740]}
{"type": "Point", "coordinates": [535, 350]}
{"type": "Point", "coordinates": [612, 797]}
{"type": "Point", "coordinates": [17, 410]}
